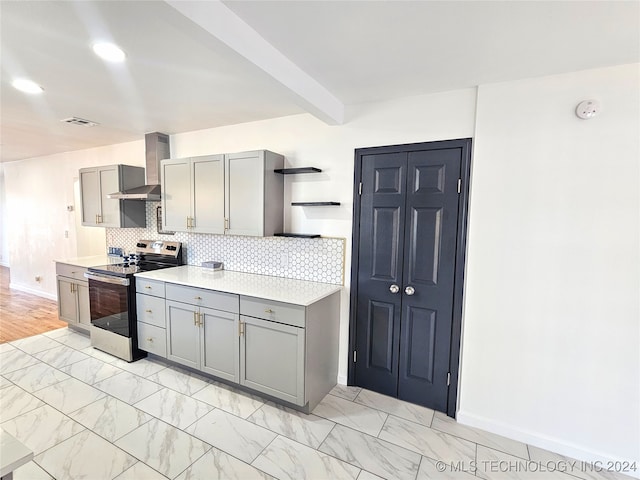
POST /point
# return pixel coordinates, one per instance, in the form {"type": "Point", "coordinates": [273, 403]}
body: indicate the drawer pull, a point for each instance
{"type": "Point", "coordinates": [268, 310]}
{"type": "Point", "coordinates": [150, 340]}
{"type": "Point", "coordinates": [148, 286]}
{"type": "Point", "coordinates": [197, 298]}
{"type": "Point", "coordinates": [148, 311]}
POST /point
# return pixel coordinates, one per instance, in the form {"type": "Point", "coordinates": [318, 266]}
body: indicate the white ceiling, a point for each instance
{"type": "Point", "coordinates": [195, 65]}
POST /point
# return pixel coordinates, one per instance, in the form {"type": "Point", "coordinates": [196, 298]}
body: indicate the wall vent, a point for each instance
{"type": "Point", "coordinates": [79, 121]}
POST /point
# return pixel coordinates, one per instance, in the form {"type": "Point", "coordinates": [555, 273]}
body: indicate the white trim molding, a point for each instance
{"type": "Point", "coordinates": [536, 439]}
{"type": "Point", "coordinates": [32, 291]}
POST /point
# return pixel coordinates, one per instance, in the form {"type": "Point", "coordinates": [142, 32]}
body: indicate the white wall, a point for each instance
{"type": "Point", "coordinates": [551, 323]}
{"type": "Point", "coordinates": [4, 244]}
{"type": "Point", "coordinates": [38, 192]}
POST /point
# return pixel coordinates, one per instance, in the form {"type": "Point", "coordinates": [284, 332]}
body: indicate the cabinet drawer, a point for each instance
{"type": "Point", "coordinates": [150, 287]}
{"type": "Point", "coordinates": [286, 313]}
{"type": "Point", "coordinates": [150, 310]}
{"type": "Point", "coordinates": [227, 302]}
{"type": "Point", "coordinates": [71, 271]}
{"type": "Point", "coordinates": [152, 339]}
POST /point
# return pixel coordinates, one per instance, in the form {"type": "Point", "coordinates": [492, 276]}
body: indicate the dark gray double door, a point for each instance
{"type": "Point", "coordinates": [408, 226]}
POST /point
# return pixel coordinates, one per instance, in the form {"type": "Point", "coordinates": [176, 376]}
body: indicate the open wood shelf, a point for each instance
{"type": "Point", "coordinates": [293, 171]}
{"type": "Point", "coordinates": [297, 235]}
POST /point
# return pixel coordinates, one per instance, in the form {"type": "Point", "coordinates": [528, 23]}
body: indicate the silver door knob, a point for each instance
{"type": "Point", "coordinates": [394, 288]}
{"type": "Point", "coordinates": [409, 290]}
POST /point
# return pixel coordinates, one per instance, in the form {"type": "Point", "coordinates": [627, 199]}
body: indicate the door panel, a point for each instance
{"type": "Point", "coordinates": [90, 197]}
{"type": "Point", "coordinates": [429, 267]}
{"type": "Point", "coordinates": [208, 194]}
{"type": "Point", "coordinates": [272, 359]}
{"type": "Point", "coordinates": [183, 334]}
{"type": "Point", "coordinates": [425, 225]}
{"type": "Point", "coordinates": [220, 344]}
{"type": "Point", "coordinates": [108, 179]}
{"type": "Point", "coordinates": [386, 223]}
{"type": "Point", "coordinates": [407, 238]}
{"type": "Point", "coordinates": [245, 194]}
{"type": "Point", "coordinates": [380, 261]}
{"type": "Point", "coordinates": [67, 305]}
{"type": "Point", "coordinates": [176, 194]}
{"type": "Point", "coordinates": [84, 314]}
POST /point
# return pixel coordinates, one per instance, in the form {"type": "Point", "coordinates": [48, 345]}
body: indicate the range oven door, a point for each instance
{"type": "Point", "coordinates": [110, 303]}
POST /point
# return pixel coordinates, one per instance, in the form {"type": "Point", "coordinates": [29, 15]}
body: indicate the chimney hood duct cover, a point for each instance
{"type": "Point", "coordinates": [157, 148]}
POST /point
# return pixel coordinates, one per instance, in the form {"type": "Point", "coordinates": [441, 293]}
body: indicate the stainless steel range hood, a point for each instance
{"type": "Point", "coordinates": [156, 148]}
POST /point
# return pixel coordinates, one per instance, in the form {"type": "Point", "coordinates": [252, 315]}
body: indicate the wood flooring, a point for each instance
{"type": "Point", "coordinates": [22, 314]}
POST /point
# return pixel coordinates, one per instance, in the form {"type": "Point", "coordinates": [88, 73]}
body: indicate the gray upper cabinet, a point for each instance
{"type": "Point", "coordinates": [254, 193]}
{"type": "Point", "coordinates": [193, 194]}
{"type": "Point", "coordinates": [235, 194]}
{"type": "Point", "coordinates": [100, 211]}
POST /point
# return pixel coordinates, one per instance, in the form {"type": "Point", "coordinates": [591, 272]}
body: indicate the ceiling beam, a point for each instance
{"type": "Point", "coordinates": [218, 20]}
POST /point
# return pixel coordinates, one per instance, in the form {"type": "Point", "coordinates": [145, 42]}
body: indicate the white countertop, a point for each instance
{"type": "Point", "coordinates": [13, 453]}
{"type": "Point", "coordinates": [287, 290]}
{"type": "Point", "coordinates": [93, 261]}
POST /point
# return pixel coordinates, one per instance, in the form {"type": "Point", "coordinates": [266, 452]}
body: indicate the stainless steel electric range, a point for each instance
{"type": "Point", "coordinates": [112, 297]}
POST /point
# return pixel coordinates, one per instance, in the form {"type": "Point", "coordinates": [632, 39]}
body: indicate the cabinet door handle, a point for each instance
{"type": "Point", "coordinates": [268, 310]}
{"type": "Point", "coordinates": [200, 323]}
{"type": "Point", "coordinates": [226, 224]}
{"type": "Point", "coordinates": [71, 287]}
{"type": "Point", "coordinates": [195, 318]}
{"type": "Point", "coordinates": [97, 219]}
{"type": "Point", "coordinates": [240, 328]}
{"type": "Point", "coordinates": [188, 222]}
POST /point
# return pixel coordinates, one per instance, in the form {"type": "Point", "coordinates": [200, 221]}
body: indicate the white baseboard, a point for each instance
{"type": "Point", "coordinates": [32, 291]}
{"type": "Point", "coordinates": [543, 441]}
{"type": "Point", "coordinates": [342, 379]}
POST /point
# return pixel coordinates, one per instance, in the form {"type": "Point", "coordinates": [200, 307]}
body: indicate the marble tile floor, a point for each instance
{"type": "Point", "coordinates": [87, 415]}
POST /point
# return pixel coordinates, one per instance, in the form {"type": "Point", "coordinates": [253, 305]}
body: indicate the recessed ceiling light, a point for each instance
{"type": "Point", "coordinates": [27, 86]}
{"type": "Point", "coordinates": [109, 52]}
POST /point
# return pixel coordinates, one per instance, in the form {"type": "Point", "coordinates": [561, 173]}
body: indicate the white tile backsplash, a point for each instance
{"type": "Point", "coordinates": [315, 259]}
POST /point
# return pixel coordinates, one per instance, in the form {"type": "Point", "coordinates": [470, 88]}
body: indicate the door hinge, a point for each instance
{"type": "Point", "coordinates": [354, 356]}
{"type": "Point", "coordinates": [360, 189]}
{"type": "Point", "coordinates": [448, 379]}
{"type": "Point", "coordinates": [459, 184]}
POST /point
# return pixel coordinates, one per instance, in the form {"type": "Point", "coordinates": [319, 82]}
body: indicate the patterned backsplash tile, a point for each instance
{"type": "Point", "coordinates": [316, 259]}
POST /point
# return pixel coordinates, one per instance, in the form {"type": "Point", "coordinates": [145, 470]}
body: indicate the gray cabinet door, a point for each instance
{"type": "Point", "coordinates": [207, 190]}
{"type": "Point", "coordinates": [183, 334]}
{"type": "Point", "coordinates": [219, 344]}
{"type": "Point", "coordinates": [90, 196]}
{"type": "Point", "coordinates": [84, 314]}
{"type": "Point", "coordinates": [67, 300]}
{"type": "Point", "coordinates": [272, 359]}
{"type": "Point", "coordinates": [244, 193]}
{"type": "Point", "coordinates": [109, 182]}
{"type": "Point", "coordinates": [176, 194]}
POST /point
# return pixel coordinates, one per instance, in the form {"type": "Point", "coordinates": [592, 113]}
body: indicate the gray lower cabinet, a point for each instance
{"type": "Point", "coordinates": [73, 296]}
{"type": "Point", "coordinates": [286, 351]}
{"type": "Point", "coordinates": [202, 337]}
{"type": "Point", "coordinates": [272, 359]}
{"type": "Point", "coordinates": [183, 334]}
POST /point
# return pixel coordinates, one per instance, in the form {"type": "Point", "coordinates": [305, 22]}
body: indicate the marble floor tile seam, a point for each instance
{"type": "Point", "coordinates": [492, 447]}
{"type": "Point", "coordinates": [258, 456]}
{"type": "Point", "coordinates": [362, 433]}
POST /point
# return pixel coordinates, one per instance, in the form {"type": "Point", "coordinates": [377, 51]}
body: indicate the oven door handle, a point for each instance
{"type": "Point", "coordinates": [107, 279]}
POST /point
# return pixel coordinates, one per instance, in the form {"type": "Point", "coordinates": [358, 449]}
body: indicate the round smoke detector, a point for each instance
{"type": "Point", "coordinates": [588, 109]}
